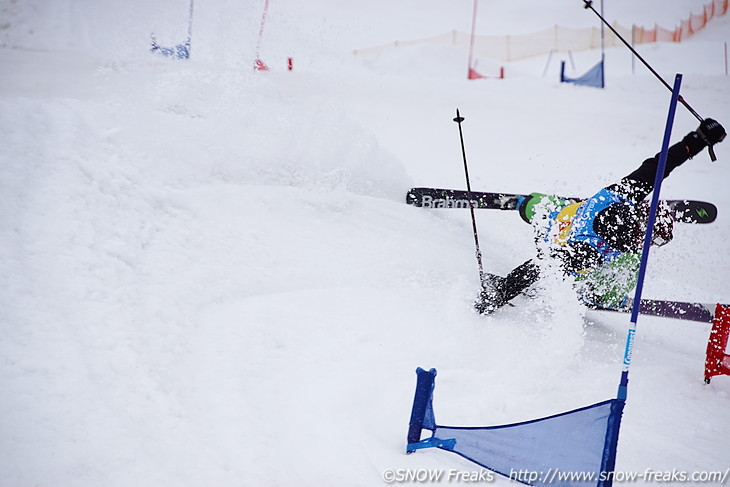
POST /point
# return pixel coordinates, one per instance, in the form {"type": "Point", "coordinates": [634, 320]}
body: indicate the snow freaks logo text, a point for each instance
{"type": "Point", "coordinates": [431, 202]}
{"type": "Point", "coordinates": [427, 475]}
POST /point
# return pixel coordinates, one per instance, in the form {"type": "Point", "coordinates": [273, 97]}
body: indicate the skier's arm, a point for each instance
{"type": "Point", "coordinates": [637, 185]}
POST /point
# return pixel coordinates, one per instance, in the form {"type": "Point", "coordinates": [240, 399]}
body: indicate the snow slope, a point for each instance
{"type": "Point", "coordinates": [210, 277]}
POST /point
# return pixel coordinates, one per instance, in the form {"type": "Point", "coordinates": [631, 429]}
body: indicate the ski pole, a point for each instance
{"type": "Point", "coordinates": [458, 120]}
{"type": "Point", "coordinates": [589, 5]}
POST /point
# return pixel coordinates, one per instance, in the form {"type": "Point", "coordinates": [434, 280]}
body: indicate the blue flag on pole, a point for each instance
{"type": "Point", "coordinates": [592, 77]}
{"type": "Point", "coordinates": [575, 448]}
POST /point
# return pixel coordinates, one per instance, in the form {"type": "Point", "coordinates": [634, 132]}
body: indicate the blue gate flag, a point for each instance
{"type": "Point", "coordinates": [568, 449]}
{"type": "Point", "coordinates": [592, 77]}
{"type": "Point", "coordinates": [180, 51]}
{"type": "Point", "coordinates": [575, 448]}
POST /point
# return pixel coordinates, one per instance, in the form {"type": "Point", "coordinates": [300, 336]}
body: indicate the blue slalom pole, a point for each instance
{"type": "Point", "coordinates": [623, 385]}
{"type": "Point", "coordinates": [421, 412]}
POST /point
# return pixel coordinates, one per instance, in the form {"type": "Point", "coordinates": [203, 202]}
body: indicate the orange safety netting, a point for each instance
{"type": "Point", "coordinates": [687, 27]}
{"type": "Point", "coordinates": [513, 47]}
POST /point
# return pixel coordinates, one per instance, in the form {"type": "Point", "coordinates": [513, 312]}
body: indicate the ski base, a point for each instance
{"type": "Point", "coordinates": [679, 310]}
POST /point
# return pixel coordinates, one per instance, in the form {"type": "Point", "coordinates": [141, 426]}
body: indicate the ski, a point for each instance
{"type": "Point", "coordinates": [679, 310]}
{"type": "Point", "coordinates": [684, 211]}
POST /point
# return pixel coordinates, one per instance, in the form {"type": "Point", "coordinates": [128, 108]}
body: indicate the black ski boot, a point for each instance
{"type": "Point", "coordinates": [498, 291]}
{"type": "Point", "coordinates": [491, 297]}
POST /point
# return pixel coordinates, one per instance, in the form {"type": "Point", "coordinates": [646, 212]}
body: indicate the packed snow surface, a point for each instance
{"type": "Point", "coordinates": [210, 277]}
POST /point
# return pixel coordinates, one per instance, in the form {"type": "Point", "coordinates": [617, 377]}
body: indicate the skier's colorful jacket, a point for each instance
{"type": "Point", "coordinates": [560, 225]}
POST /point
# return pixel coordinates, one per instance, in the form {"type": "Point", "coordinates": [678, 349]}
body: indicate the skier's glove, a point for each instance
{"type": "Point", "coordinates": [711, 132]}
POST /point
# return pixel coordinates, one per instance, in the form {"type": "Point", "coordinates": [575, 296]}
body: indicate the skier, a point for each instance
{"type": "Point", "coordinates": [597, 241]}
